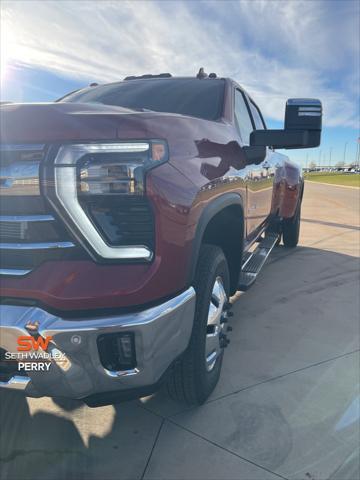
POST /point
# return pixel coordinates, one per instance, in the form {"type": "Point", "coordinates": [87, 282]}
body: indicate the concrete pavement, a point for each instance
{"type": "Point", "coordinates": [287, 404]}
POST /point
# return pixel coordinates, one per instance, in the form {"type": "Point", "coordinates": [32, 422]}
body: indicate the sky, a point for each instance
{"type": "Point", "coordinates": [275, 49]}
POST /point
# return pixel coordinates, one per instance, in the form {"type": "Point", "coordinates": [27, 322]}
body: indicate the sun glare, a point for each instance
{"type": "Point", "coordinates": [8, 50]}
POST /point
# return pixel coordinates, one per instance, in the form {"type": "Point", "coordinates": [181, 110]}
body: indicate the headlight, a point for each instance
{"type": "Point", "coordinates": [100, 186]}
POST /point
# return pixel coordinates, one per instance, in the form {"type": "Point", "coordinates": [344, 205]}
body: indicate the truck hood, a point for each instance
{"type": "Point", "coordinates": [57, 122]}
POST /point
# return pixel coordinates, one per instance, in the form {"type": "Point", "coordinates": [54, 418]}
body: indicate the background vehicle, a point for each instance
{"type": "Point", "coordinates": [130, 212]}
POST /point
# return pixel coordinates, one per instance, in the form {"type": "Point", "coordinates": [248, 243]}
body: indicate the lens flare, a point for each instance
{"type": "Point", "coordinates": [9, 49]}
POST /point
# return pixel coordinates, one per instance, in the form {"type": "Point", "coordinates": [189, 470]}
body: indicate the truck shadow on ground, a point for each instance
{"type": "Point", "coordinates": [61, 439]}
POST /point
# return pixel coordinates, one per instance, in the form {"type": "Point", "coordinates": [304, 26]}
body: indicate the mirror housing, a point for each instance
{"type": "Point", "coordinates": [254, 155]}
{"type": "Point", "coordinates": [303, 117]}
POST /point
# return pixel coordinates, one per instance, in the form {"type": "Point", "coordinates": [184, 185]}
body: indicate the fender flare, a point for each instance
{"type": "Point", "coordinates": [214, 207]}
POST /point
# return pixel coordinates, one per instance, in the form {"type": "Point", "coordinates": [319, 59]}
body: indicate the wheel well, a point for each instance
{"type": "Point", "coordinates": [226, 230]}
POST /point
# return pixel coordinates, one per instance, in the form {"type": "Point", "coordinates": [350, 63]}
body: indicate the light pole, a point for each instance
{"type": "Point", "coordinates": [345, 151]}
{"type": "Point", "coordinates": [330, 157]}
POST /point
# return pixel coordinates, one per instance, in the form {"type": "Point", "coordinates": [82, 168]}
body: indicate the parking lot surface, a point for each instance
{"type": "Point", "coordinates": [287, 404]}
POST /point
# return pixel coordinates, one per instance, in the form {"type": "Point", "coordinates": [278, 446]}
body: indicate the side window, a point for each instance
{"type": "Point", "coordinates": [242, 117]}
{"type": "Point", "coordinates": [259, 124]}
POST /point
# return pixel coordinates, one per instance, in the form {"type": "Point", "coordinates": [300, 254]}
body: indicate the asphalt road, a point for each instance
{"type": "Point", "coordinates": [287, 405]}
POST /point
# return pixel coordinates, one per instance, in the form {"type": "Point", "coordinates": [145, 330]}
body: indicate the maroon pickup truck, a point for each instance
{"type": "Point", "coordinates": [130, 213]}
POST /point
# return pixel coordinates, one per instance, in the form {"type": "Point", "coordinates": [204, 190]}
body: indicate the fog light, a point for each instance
{"type": "Point", "coordinates": [117, 351]}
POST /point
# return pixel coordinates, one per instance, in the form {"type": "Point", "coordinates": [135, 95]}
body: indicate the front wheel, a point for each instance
{"type": "Point", "coordinates": [195, 376]}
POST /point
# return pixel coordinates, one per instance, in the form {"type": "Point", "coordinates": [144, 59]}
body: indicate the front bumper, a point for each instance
{"type": "Point", "coordinates": [161, 334]}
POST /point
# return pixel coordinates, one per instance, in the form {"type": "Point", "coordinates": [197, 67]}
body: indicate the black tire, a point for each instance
{"type": "Point", "coordinates": [291, 229]}
{"type": "Point", "coordinates": [190, 380]}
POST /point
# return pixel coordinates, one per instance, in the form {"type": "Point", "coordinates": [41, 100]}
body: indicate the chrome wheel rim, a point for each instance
{"type": "Point", "coordinates": [214, 326]}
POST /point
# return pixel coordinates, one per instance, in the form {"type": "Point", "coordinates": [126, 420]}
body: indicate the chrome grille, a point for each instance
{"type": "Point", "coordinates": [12, 230]}
{"type": "Point", "coordinates": [19, 173]}
{"type": "Point", "coordinates": [35, 246]}
{"type": "Point", "coordinates": [29, 232]}
{"type": "Point", "coordinates": [17, 227]}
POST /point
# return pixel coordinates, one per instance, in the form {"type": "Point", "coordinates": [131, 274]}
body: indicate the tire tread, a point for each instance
{"type": "Point", "coordinates": [182, 384]}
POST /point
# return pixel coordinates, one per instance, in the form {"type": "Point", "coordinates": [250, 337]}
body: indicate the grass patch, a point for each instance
{"type": "Point", "coordinates": [346, 179]}
{"type": "Point", "coordinates": [260, 184]}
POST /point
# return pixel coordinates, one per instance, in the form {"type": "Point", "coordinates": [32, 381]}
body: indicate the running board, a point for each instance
{"type": "Point", "coordinates": [253, 262]}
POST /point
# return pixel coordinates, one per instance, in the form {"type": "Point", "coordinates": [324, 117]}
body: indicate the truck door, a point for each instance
{"type": "Point", "coordinates": [259, 176]}
{"type": "Point", "coordinates": [260, 191]}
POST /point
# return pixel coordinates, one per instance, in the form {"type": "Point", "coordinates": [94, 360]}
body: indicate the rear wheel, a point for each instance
{"type": "Point", "coordinates": [195, 376]}
{"type": "Point", "coordinates": [291, 229]}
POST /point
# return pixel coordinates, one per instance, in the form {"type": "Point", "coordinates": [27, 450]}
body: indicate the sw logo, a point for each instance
{"type": "Point", "coordinates": [34, 340]}
{"type": "Point", "coordinates": [26, 343]}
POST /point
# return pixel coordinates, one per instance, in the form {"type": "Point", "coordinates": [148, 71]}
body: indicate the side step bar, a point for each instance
{"type": "Point", "coordinates": [253, 262]}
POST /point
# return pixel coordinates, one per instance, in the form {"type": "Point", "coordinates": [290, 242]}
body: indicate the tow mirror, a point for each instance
{"type": "Point", "coordinates": [303, 118]}
{"type": "Point", "coordinates": [254, 155]}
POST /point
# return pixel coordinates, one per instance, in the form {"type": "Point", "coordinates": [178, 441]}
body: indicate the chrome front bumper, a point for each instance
{"type": "Point", "coordinates": [161, 333]}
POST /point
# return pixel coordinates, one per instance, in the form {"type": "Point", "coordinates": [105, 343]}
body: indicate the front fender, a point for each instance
{"type": "Point", "coordinates": [208, 213]}
{"type": "Point", "coordinates": [288, 190]}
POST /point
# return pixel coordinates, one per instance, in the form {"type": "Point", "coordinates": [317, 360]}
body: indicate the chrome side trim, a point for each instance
{"type": "Point", "coordinates": [5, 147]}
{"type": "Point", "coordinates": [36, 246]}
{"type": "Point", "coordinates": [309, 114]}
{"type": "Point", "coordinates": [16, 383]}
{"type": "Point", "coordinates": [26, 218]}
{"type": "Point", "coordinates": [13, 271]}
{"type": "Point", "coordinates": [310, 109]}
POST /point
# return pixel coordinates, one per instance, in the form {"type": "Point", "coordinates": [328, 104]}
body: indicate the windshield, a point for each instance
{"type": "Point", "coordinates": [186, 96]}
